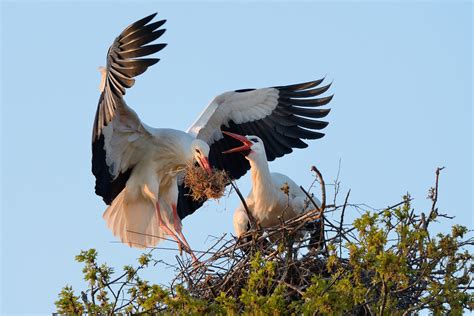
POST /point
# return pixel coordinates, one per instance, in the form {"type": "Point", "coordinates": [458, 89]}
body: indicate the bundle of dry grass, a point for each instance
{"type": "Point", "coordinates": [203, 185]}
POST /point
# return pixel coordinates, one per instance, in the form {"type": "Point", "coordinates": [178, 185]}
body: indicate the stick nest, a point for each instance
{"type": "Point", "coordinates": [298, 253]}
{"type": "Point", "coordinates": [205, 186]}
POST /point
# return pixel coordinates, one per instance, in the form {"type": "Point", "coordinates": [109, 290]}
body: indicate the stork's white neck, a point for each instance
{"type": "Point", "coordinates": [262, 182]}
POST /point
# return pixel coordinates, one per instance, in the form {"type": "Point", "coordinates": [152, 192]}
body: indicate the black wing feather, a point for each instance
{"type": "Point", "coordinates": [122, 67]}
{"type": "Point", "coordinates": [316, 113]}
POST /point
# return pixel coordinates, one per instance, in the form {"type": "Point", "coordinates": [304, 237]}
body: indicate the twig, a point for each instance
{"type": "Point", "coordinates": [434, 198]}
{"type": "Point", "coordinates": [253, 222]}
{"type": "Point", "coordinates": [323, 188]}
{"type": "Point", "coordinates": [342, 221]}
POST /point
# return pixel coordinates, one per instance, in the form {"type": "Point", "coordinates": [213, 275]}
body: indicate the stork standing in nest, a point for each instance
{"type": "Point", "coordinates": [274, 196]}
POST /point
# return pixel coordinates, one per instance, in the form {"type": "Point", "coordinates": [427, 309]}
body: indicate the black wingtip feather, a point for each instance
{"type": "Point", "coordinates": [298, 132]}
{"type": "Point", "coordinates": [137, 63]}
{"type": "Point", "coordinates": [121, 67]}
{"type": "Point", "coordinates": [146, 30]}
{"type": "Point", "coordinates": [301, 86]}
{"type": "Point", "coordinates": [311, 124]}
{"type": "Point", "coordinates": [137, 70]}
{"type": "Point", "coordinates": [138, 24]}
{"type": "Point", "coordinates": [313, 113]}
{"type": "Point", "coordinates": [142, 51]}
{"type": "Point", "coordinates": [307, 102]}
{"type": "Point", "coordinates": [142, 40]}
{"type": "Point", "coordinates": [306, 93]}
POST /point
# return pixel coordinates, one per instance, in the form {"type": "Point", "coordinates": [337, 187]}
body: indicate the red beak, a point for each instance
{"type": "Point", "coordinates": [204, 162]}
{"type": "Point", "coordinates": [246, 143]}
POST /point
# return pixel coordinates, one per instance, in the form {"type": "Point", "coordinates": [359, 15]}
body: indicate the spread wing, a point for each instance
{"type": "Point", "coordinates": [118, 136]}
{"type": "Point", "coordinates": [283, 117]}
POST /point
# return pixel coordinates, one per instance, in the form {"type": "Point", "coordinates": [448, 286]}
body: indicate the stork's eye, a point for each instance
{"type": "Point", "coordinates": [197, 150]}
{"type": "Point", "coordinates": [253, 140]}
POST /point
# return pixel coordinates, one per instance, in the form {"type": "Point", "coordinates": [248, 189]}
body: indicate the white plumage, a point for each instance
{"type": "Point", "coordinates": [267, 200]}
{"type": "Point", "coordinates": [233, 106]}
{"type": "Point", "coordinates": [158, 157]}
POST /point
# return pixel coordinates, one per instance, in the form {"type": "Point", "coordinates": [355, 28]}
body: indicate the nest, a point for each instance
{"type": "Point", "coordinates": [226, 266]}
{"type": "Point", "coordinates": [204, 186]}
{"type": "Point", "coordinates": [228, 263]}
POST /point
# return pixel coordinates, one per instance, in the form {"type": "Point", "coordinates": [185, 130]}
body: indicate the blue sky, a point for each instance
{"type": "Point", "coordinates": [402, 76]}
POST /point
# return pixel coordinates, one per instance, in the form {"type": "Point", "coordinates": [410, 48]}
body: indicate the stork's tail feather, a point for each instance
{"type": "Point", "coordinates": [133, 221]}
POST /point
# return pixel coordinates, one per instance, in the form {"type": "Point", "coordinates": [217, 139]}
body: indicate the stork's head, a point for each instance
{"type": "Point", "coordinates": [252, 146]}
{"type": "Point", "coordinates": [200, 153]}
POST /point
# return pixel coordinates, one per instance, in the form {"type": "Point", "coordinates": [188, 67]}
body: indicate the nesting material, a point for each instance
{"type": "Point", "coordinates": [227, 265]}
{"type": "Point", "coordinates": [203, 185]}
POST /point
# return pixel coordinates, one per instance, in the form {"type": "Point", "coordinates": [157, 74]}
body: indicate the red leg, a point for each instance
{"type": "Point", "coordinates": [177, 227]}
{"type": "Point", "coordinates": [176, 221]}
{"type": "Point", "coordinates": [167, 230]}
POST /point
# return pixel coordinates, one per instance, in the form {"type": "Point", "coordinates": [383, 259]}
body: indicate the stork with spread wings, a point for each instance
{"type": "Point", "coordinates": [137, 167]}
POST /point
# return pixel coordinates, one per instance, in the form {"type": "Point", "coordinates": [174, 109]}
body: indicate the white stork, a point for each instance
{"type": "Point", "coordinates": [267, 202]}
{"type": "Point", "coordinates": [138, 168]}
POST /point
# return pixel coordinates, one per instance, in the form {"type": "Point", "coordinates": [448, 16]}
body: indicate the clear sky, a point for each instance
{"type": "Point", "coordinates": [402, 77]}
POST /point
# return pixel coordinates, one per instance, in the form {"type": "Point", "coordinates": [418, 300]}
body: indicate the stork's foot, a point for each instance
{"type": "Point", "coordinates": [178, 229]}
{"type": "Point", "coordinates": [183, 246]}
{"type": "Point", "coordinates": [181, 240]}
{"type": "Point", "coordinates": [186, 246]}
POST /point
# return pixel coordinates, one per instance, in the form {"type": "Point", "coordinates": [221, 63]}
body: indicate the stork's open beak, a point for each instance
{"type": "Point", "coordinates": [204, 163]}
{"type": "Point", "coordinates": [246, 143]}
